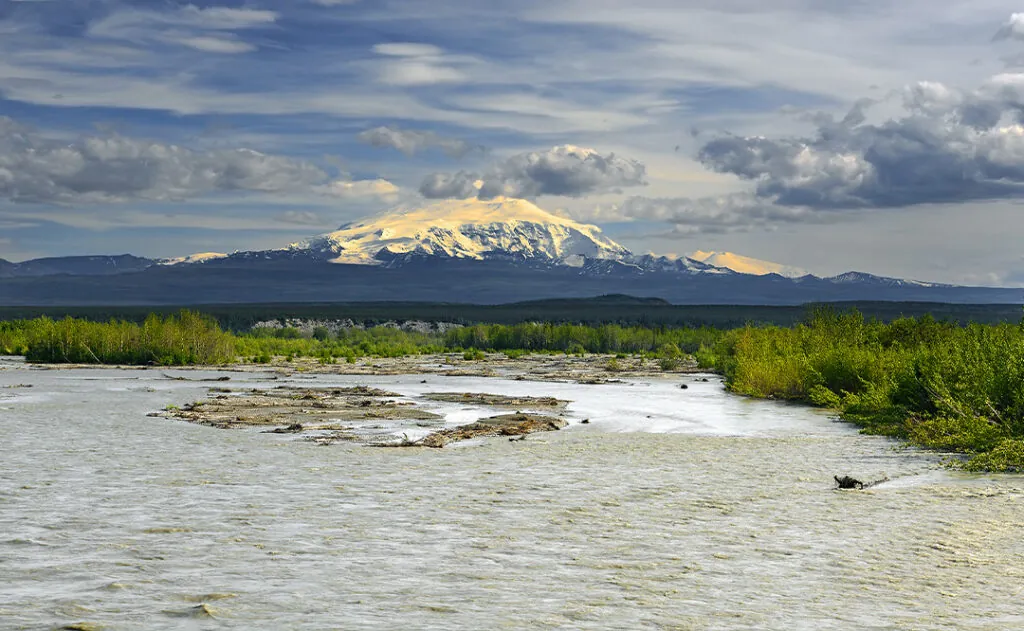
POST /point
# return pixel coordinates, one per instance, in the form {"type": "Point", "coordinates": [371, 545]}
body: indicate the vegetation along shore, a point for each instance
{"type": "Point", "coordinates": [938, 385]}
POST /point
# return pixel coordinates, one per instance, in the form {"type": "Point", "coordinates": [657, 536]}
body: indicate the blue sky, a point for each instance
{"type": "Point", "coordinates": [828, 135]}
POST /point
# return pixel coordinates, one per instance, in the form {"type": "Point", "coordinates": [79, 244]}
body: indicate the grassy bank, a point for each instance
{"type": "Point", "coordinates": [937, 385]}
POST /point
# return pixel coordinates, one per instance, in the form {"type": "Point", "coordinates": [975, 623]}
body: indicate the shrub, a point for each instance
{"type": "Point", "coordinates": [473, 355]}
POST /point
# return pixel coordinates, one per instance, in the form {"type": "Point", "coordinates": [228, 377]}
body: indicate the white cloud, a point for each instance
{"type": "Point", "coordinates": [217, 45]}
{"type": "Point", "coordinates": [1012, 29]}
{"type": "Point", "coordinates": [349, 189]}
{"type": "Point", "coordinates": [737, 212]}
{"type": "Point", "coordinates": [407, 49]}
{"type": "Point", "coordinates": [565, 170]}
{"type": "Point", "coordinates": [412, 64]}
{"type": "Point", "coordinates": [187, 26]}
{"type": "Point", "coordinates": [34, 168]}
{"type": "Point", "coordinates": [412, 141]}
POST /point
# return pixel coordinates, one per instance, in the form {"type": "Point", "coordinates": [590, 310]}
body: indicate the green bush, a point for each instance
{"type": "Point", "coordinates": [473, 355]}
{"type": "Point", "coordinates": [938, 385]}
{"type": "Point", "coordinates": [186, 338]}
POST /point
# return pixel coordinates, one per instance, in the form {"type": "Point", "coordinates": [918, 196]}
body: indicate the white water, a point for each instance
{"type": "Point", "coordinates": [671, 509]}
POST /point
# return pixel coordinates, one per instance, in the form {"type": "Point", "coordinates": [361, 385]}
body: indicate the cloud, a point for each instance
{"type": "Point", "coordinates": [301, 217]}
{"type": "Point", "coordinates": [205, 29]}
{"type": "Point", "coordinates": [1013, 29]}
{"type": "Point", "coordinates": [738, 212]}
{"type": "Point", "coordinates": [946, 146]}
{"type": "Point", "coordinates": [34, 168]}
{"type": "Point", "coordinates": [566, 171]}
{"type": "Point", "coordinates": [216, 45]}
{"type": "Point", "coordinates": [412, 64]}
{"type": "Point", "coordinates": [349, 189]}
{"type": "Point", "coordinates": [411, 141]}
{"type": "Point", "coordinates": [459, 185]}
{"type": "Point", "coordinates": [407, 49]}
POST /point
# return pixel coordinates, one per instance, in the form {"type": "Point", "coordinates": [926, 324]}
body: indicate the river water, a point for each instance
{"type": "Point", "coordinates": [670, 509]}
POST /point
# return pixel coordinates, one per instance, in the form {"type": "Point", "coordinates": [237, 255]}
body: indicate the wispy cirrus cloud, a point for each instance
{"type": "Point", "coordinates": [211, 29]}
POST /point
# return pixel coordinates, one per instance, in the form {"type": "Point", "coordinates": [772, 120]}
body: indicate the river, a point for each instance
{"type": "Point", "coordinates": [671, 509]}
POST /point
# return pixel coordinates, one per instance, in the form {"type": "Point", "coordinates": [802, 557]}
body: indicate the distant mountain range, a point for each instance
{"type": "Point", "coordinates": [466, 251]}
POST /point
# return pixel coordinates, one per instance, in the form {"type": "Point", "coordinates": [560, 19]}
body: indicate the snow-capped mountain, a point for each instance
{"type": "Point", "coordinates": [502, 228]}
{"type": "Point", "coordinates": [483, 252]}
{"type": "Point", "coordinates": [746, 265]}
{"type": "Point", "coordinates": [506, 229]}
{"type": "Point", "coordinates": [854, 278]}
{"type": "Point", "coordinates": [200, 257]}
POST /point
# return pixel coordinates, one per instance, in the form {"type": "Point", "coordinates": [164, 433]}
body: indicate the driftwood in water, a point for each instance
{"type": "Point", "coordinates": [846, 482]}
{"type": "Point", "coordinates": [175, 378]}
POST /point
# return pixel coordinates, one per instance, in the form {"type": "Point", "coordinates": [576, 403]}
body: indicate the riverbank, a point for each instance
{"type": "Point", "coordinates": [938, 385]}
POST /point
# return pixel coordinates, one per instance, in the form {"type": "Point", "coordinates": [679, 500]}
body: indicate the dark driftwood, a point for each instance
{"type": "Point", "coordinates": [846, 482]}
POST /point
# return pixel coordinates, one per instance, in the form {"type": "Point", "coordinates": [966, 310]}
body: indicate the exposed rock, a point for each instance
{"type": "Point", "coordinates": [503, 425]}
{"type": "Point", "coordinates": [299, 409]}
{"type": "Point", "coordinates": [496, 400]}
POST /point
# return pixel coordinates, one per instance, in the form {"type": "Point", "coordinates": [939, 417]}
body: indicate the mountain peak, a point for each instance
{"type": "Point", "coordinates": [746, 265]}
{"type": "Point", "coordinates": [466, 228]}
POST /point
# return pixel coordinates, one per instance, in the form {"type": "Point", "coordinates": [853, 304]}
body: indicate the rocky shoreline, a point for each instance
{"type": "Point", "coordinates": [592, 369]}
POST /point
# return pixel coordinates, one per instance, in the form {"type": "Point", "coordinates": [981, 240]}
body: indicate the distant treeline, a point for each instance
{"type": "Point", "coordinates": [940, 386]}
{"type": "Point", "coordinates": [578, 338]}
{"type": "Point", "coordinates": [191, 338]}
{"type": "Point", "coordinates": [621, 310]}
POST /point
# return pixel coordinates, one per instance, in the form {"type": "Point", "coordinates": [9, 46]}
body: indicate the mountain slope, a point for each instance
{"type": "Point", "coordinates": [447, 280]}
{"type": "Point", "coordinates": [470, 229]}
{"type": "Point", "coordinates": [77, 266]}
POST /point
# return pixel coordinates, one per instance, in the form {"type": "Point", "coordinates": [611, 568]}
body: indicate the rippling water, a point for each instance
{"type": "Point", "coordinates": [671, 509]}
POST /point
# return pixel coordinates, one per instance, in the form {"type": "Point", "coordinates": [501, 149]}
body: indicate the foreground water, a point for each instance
{"type": "Point", "coordinates": [671, 509]}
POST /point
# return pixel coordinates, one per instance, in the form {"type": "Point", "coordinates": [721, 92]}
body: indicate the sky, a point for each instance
{"type": "Point", "coordinates": [869, 135]}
